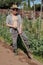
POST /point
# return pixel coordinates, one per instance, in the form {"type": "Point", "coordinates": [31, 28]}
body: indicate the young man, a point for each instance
{"type": "Point", "coordinates": [14, 22]}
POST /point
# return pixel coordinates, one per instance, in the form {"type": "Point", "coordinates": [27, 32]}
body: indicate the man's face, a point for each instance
{"type": "Point", "coordinates": [14, 11]}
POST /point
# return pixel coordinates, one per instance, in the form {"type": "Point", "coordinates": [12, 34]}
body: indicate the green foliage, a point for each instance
{"type": "Point", "coordinates": [35, 35]}
{"type": "Point", "coordinates": [8, 3]}
{"type": "Point", "coordinates": [29, 3]}
{"type": "Point", "coordinates": [39, 58]}
{"type": "Point", "coordinates": [25, 5]}
{"type": "Point", "coordinates": [37, 7]}
{"type": "Point", "coordinates": [4, 31]}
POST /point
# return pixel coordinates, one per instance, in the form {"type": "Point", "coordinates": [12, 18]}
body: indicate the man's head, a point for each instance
{"type": "Point", "coordinates": [14, 9]}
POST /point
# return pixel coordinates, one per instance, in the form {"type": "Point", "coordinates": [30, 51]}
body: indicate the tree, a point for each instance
{"type": "Point", "coordinates": [25, 5]}
{"type": "Point", "coordinates": [29, 3]}
{"type": "Point", "coordinates": [8, 3]}
{"type": "Point", "coordinates": [37, 7]}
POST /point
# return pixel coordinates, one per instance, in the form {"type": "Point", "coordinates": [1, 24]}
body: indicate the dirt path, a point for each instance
{"type": "Point", "coordinates": [7, 57]}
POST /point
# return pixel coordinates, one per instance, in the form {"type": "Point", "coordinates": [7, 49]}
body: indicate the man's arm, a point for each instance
{"type": "Point", "coordinates": [20, 30]}
{"type": "Point", "coordinates": [8, 25]}
{"type": "Point", "coordinates": [20, 20]}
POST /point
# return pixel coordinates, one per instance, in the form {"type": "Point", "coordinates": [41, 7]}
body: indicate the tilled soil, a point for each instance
{"type": "Point", "coordinates": [8, 57]}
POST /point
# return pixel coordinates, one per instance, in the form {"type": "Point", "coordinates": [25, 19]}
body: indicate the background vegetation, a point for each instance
{"type": "Point", "coordinates": [33, 30]}
{"type": "Point", "coordinates": [5, 4]}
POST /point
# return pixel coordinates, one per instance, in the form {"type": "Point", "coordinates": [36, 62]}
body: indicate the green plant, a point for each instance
{"type": "Point", "coordinates": [35, 35]}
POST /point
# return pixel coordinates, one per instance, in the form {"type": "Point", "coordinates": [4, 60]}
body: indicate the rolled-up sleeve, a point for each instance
{"type": "Point", "coordinates": [7, 20]}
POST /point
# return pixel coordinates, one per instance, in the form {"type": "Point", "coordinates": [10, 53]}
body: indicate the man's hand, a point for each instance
{"type": "Point", "coordinates": [20, 31]}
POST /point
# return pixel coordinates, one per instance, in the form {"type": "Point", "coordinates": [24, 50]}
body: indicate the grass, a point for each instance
{"type": "Point", "coordinates": [39, 58]}
{"type": "Point", "coordinates": [2, 39]}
